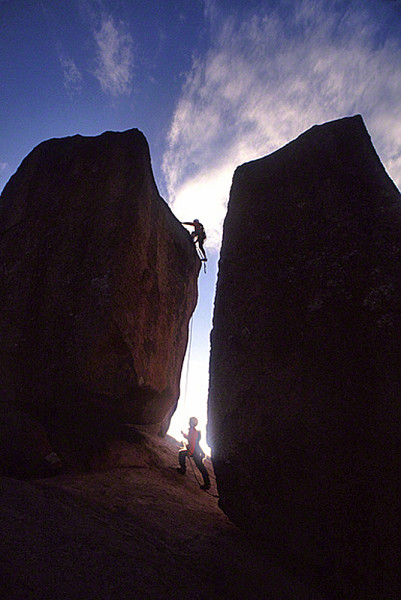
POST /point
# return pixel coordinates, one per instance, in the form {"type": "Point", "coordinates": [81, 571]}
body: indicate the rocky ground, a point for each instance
{"type": "Point", "coordinates": [132, 528]}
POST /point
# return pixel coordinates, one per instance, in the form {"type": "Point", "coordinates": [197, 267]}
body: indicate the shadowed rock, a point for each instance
{"type": "Point", "coordinates": [304, 403]}
{"type": "Point", "coordinates": [98, 283]}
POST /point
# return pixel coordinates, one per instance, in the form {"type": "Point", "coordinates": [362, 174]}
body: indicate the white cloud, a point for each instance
{"type": "Point", "coordinates": [265, 80]}
{"type": "Point", "coordinates": [72, 75]}
{"type": "Point", "coordinates": [4, 167]}
{"type": "Point", "coordinates": [114, 60]}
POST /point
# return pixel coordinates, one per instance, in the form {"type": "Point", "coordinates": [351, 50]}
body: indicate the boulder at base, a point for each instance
{"type": "Point", "coordinates": [304, 403]}
{"type": "Point", "coordinates": [98, 283]}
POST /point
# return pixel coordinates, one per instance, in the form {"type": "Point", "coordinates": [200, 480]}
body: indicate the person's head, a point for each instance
{"type": "Point", "coordinates": [196, 220]}
{"type": "Point", "coordinates": [193, 421]}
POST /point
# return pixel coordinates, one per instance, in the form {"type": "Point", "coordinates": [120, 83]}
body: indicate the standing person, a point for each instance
{"type": "Point", "coordinates": [193, 449]}
{"type": "Point", "coordinates": [198, 235]}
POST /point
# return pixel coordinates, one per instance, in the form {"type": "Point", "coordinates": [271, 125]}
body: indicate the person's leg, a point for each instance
{"type": "Point", "coordinates": [181, 459]}
{"type": "Point", "coordinates": [201, 249]}
{"type": "Point", "coordinates": [199, 463]}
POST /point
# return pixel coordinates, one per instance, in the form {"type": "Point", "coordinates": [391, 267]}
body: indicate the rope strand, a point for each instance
{"type": "Point", "coordinates": [188, 360]}
{"type": "Point", "coordinates": [197, 480]}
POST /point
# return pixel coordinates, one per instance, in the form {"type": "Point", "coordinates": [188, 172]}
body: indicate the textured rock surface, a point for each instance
{"type": "Point", "coordinates": [98, 282]}
{"type": "Point", "coordinates": [304, 404]}
{"type": "Point", "coordinates": [143, 532]}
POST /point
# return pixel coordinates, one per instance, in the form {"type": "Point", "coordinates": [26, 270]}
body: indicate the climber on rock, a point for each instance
{"type": "Point", "coordinates": [193, 450]}
{"type": "Point", "coordinates": [198, 235]}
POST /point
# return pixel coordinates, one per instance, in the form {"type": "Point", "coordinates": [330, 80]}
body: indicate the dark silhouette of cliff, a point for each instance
{"type": "Point", "coordinates": [98, 283]}
{"type": "Point", "coordinates": [305, 370]}
{"type": "Point", "coordinates": [133, 529]}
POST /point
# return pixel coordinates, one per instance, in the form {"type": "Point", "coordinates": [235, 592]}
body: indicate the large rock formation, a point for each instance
{"type": "Point", "coordinates": [304, 404]}
{"type": "Point", "coordinates": [98, 283]}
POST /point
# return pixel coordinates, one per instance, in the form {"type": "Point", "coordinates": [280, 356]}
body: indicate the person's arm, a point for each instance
{"type": "Point", "coordinates": [187, 223]}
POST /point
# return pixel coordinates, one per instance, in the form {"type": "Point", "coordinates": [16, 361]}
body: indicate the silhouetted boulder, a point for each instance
{"type": "Point", "coordinates": [98, 283]}
{"type": "Point", "coordinates": [304, 403]}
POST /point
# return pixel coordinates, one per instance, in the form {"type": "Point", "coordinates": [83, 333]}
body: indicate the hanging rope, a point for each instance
{"type": "Point", "coordinates": [188, 360]}
{"type": "Point", "coordinates": [198, 481]}
{"type": "Point", "coordinates": [193, 471]}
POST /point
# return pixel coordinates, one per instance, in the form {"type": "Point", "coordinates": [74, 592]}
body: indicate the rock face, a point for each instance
{"type": "Point", "coordinates": [305, 379]}
{"type": "Point", "coordinates": [98, 283]}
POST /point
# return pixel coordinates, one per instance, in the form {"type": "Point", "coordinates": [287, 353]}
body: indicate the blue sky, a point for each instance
{"type": "Point", "coordinates": [211, 83]}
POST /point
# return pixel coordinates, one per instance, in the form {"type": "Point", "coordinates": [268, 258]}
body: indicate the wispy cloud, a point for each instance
{"type": "Point", "coordinates": [267, 78]}
{"type": "Point", "coordinates": [3, 171]}
{"type": "Point", "coordinates": [72, 75]}
{"type": "Point", "coordinates": [114, 61]}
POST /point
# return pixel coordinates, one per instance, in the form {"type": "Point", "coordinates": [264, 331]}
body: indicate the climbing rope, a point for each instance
{"type": "Point", "coordinates": [186, 391]}
{"type": "Point", "coordinates": [188, 360]}
{"type": "Point", "coordinates": [198, 481]}
{"type": "Point", "coordinates": [193, 471]}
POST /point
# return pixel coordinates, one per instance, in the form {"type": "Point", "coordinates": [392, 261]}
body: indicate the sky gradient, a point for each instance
{"type": "Point", "coordinates": [211, 84]}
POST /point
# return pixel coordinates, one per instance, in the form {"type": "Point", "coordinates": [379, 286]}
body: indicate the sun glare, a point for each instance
{"type": "Point", "coordinates": [193, 399]}
{"type": "Point", "coordinates": [205, 198]}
